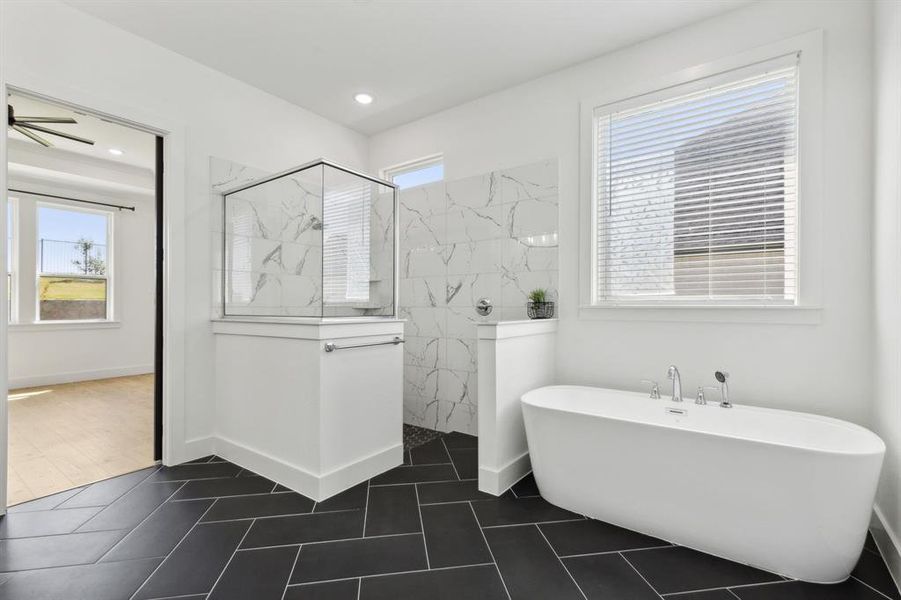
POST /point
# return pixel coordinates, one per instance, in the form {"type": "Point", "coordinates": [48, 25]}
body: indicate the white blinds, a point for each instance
{"type": "Point", "coordinates": [345, 247]}
{"type": "Point", "coordinates": [696, 194]}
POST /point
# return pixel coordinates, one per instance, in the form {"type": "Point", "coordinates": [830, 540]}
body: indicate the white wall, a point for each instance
{"type": "Point", "coordinates": [820, 368]}
{"type": "Point", "coordinates": [886, 416]}
{"type": "Point", "coordinates": [212, 114]}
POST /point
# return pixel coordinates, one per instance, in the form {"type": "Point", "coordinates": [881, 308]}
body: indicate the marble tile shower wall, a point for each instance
{"type": "Point", "coordinates": [224, 175]}
{"type": "Point", "coordinates": [494, 236]}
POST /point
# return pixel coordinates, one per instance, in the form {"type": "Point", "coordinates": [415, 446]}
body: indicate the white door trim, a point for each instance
{"type": "Point", "coordinates": [174, 276]}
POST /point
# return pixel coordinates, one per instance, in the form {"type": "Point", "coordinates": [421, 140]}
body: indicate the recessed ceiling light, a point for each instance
{"type": "Point", "coordinates": [363, 98]}
{"type": "Point", "coordinates": [116, 152]}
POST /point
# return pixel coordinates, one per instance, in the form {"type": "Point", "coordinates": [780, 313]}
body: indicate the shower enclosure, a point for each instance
{"type": "Point", "coordinates": [308, 349]}
{"type": "Point", "coordinates": [315, 241]}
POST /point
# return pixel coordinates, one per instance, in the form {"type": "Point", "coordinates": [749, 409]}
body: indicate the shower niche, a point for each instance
{"type": "Point", "coordinates": [315, 241]}
{"type": "Point", "coordinates": [308, 349]}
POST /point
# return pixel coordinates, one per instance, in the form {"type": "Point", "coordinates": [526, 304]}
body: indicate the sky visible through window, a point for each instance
{"type": "Point", "coordinates": [70, 226]}
{"type": "Point", "coordinates": [419, 176]}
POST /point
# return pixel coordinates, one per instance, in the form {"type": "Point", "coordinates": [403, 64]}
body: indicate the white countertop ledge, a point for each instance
{"type": "Point", "coordinates": [501, 330]}
{"type": "Point", "coordinates": [309, 328]}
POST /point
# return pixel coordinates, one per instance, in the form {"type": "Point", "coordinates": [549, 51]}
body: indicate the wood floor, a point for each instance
{"type": "Point", "coordinates": [69, 435]}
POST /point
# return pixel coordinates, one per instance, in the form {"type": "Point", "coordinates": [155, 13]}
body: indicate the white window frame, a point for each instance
{"type": "Point", "coordinates": [806, 310]}
{"type": "Point", "coordinates": [110, 262]}
{"type": "Point", "coordinates": [12, 229]}
{"type": "Point", "coordinates": [389, 173]}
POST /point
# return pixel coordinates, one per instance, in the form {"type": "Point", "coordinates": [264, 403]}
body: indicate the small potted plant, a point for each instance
{"type": "Point", "coordinates": [539, 306]}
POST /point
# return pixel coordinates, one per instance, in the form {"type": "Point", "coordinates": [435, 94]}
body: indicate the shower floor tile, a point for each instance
{"type": "Point", "coordinates": [419, 531]}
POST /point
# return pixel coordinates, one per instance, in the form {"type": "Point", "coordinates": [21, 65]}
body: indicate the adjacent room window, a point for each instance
{"type": "Point", "coordinates": [695, 192]}
{"type": "Point", "coordinates": [73, 263]}
{"type": "Point", "coordinates": [345, 244]}
{"type": "Point", "coordinates": [420, 172]}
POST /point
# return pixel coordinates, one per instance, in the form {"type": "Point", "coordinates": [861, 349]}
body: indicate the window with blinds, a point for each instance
{"type": "Point", "coordinates": [345, 244]}
{"type": "Point", "coordinates": [695, 192]}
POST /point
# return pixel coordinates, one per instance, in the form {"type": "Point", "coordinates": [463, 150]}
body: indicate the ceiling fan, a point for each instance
{"type": "Point", "coordinates": [26, 126]}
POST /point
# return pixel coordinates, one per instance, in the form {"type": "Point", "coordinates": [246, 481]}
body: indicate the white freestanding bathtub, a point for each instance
{"type": "Point", "coordinates": [783, 491]}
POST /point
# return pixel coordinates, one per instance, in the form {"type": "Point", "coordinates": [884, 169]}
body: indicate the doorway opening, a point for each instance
{"type": "Point", "coordinates": [84, 286]}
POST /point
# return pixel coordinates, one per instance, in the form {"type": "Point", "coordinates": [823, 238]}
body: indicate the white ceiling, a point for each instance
{"type": "Point", "coordinates": [416, 57]}
{"type": "Point", "coordinates": [138, 147]}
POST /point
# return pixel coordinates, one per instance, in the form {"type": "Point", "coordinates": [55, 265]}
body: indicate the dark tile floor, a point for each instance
{"type": "Point", "coordinates": [211, 530]}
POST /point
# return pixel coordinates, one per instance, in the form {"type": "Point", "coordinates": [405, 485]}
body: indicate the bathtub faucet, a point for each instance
{"type": "Point", "coordinates": [673, 373]}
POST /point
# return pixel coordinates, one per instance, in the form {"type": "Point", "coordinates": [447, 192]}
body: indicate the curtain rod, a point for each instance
{"type": "Point", "coordinates": [120, 207]}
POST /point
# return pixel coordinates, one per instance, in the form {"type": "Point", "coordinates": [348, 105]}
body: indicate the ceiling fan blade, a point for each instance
{"type": "Point", "coordinates": [34, 137]}
{"type": "Point", "coordinates": [46, 120]}
{"type": "Point", "coordinates": [68, 136]}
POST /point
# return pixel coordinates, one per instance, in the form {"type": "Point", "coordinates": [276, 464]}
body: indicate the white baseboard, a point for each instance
{"type": "Point", "coordinates": [75, 376]}
{"type": "Point", "coordinates": [317, 487]}
{"type": "Point", "coordinates": [291, 476]}
{"type": "Point", "coordinates": [498, 481]}
{"type": "Point", "coordinates": [192, 450]}
{"type": "Point", "coordinates": [351, 474]}
{"type": "Point", "coordinates": [889, 544]}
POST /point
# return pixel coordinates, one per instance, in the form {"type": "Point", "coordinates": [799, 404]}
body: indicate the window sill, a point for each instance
{"type": "Point", "coordinates": [781, 315]}
{"type": "Point", "coordinates": [64, 325]}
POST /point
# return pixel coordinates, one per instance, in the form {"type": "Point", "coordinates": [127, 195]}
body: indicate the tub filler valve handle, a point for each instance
{"type": "Point", "coordinates": [723, 378]}
{"type": "Point", "coordinates": [702, 397]}
{"type": "Point", "coordinates": [655, 389]}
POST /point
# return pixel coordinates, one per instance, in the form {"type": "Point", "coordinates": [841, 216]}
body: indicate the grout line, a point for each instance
{"type": "Point", "coordinates": [303, 514]}
{"type": "Point", "coordinates": [446, 449]}
{"type": "Point", "coordinates": [361, 538]}
{"type": "Point", "coordinates": [230, 558]}
{"type": "Point", "coordinates": [422, 528]}
{"type": "Point", "coordinates": [871, 587]}
{"type": "Point", "coordinates": [291, 545]}
{"type": "Point", "coordinates": [611, 551]}
{"type": "Point", "coordinates": [359, 587]}
{"type": "Point", "coordinates": [133, 529]}
{"type": "Point", "coordinates": [562, 564]}
{"type": "Point", "coordinates": [517, 481]}
{"type": "Point", "coordinates": [435, 481]}
{"type": "Point", "coordinates": [390, 574]}
{"type": "Point", "coordinates": [291, 572]}
{"type": "Point", "coordinates": [453, 501]}
{"type": "Point", "coordinates": [737, 586]}
{"type": "Point", "coordinates": [733, 593]}
{"type": "Point", "coordinates": [532, 522]}
{"type": "Point", "coordinates": [366, 507]}
{"type": "Point", "coordinates": [56, 535]}
{"type": "Point", "coordinates": [180, 595]}
{"type": "Point", "coordinates": [490, 552]}
{"type": "Point", "coordinates": [227, 496]}
{"type": "Point", "coordinates": [54, 568]}
{"type": "Point", "coordinates": [653, 589]}
{"type": "Point", "coordinates": [92, 484]}
{"type": "Point", "coordinates": [334, 541]}
{"type": "Point", "coordinates": [171, 552]}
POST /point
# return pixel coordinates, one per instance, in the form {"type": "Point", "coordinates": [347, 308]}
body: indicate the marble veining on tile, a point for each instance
{"type": "Point", "coordinates": [492, 235]}
{"type": "Point", "coordinates": [273, 236]}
